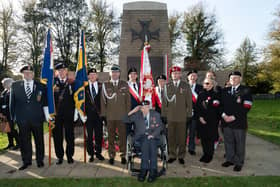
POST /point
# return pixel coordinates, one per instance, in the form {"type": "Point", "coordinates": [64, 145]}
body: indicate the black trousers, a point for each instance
{"type": "Point", "coordinates": [96, 126]}
{"type": "Point", "coordinates": [68, 126]}
{"type": "Point", "coordinates": [207, 147]}
{"type": "Point", "coordinates": [13, 134]}
{"type": "Point", "coordinates": [25, 130]}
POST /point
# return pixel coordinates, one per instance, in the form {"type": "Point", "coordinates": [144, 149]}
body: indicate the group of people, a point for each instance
{"type": "Point", "coordinates": [179, 107]}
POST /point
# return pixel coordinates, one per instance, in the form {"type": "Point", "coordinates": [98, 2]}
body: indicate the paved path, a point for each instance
{"type": "Point", "coordinates": [262, 158]}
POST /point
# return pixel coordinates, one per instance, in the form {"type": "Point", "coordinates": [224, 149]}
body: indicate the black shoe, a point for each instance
{"type": "Point", "coordinates": [181, 161]}
{"type": "Point", "coordinates": [9, 147]}
{"type": "Point", "coordinates": [237, 168]}
{"type": "Point", "coordinates": [40, 164]}
{"type": "Point", "coordinates": [91, 159]}
{"type": "Point", "coordinates": [208, 159]}
{"type": "Point", "coordinates": [227, 164]}
{"type": "Point", "coordinates": [15, 147]}
{"type": "Point", "coordinates": [142, 175]}
{"type": "Point", "coordinates": [202, 159]}
{"type": "Point", "coordinates": [111, 161]}
{"type": "Point", "coordinates": [123, 160]}
{"type": "Point", "coordinates": [171, 160]}
{"type": "Point", "coordinates": [24, 166]}
{"type": "Point", "coordinates": [70, 160]}
{"type": "Point", "coordinates": [192, 152]}
{"type": "Point", "coordinates": [59, 161]}
{"type": "Point", "coordinates": [100, 157]}
{"type": "Point", "coordinates": [152, 176]}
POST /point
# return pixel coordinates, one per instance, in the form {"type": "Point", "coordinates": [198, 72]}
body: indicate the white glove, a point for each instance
{"type": "Point", "coordinates": [47, 114]}
{"type": "Point", "coordinates": [82, 117]}
{"type": "Point", "coordinates": [76, 115]}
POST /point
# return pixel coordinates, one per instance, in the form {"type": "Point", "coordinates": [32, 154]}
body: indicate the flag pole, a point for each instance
{"type": "Point", "coordinates": [50, 146]}
{"type": "Point", "coordinates": [85, 153]}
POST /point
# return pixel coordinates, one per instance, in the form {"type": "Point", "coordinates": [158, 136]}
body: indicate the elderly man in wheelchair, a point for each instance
{"type": "Point", "coordinates": [147, 137]}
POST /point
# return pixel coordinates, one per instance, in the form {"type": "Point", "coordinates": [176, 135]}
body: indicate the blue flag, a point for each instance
{"type": "Point", "coordinates": [47, 73]}
{"type": "Point", "coordinates": [81, 77]}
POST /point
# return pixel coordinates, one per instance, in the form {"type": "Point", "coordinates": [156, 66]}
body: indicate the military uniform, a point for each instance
{"type": "Point", "coordinates": [26, 107]}
{"type": "Point", "coordinates": [115, 103]}
{"type": "Point", "coordinates": [93, 123]}
{"type": "Point", "coordinates": [65, 107]}
{"type": "Point", "coordinates": [143, 128]}
{"type": "Point", "coordinates": [177, 107]}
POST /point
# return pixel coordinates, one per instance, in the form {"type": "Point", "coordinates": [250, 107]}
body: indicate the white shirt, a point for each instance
{"type": "Point", "coordinates": [31, 82]}
{"type": "Point", "coordinates": [177, 82]}
{"type": "Point", "coordinates": [131, 84]}
{"type": "Point", "coordinates": [193, 87]}
{"type": "Point", "coordinates": [115, 82]}
{"type": "Point", "coordinates": [234, 88]}
{"type": "Point", "coordinates": [148, 119]}
{"type": "Point", "coordinates": [95, 84]}
{"type": "Point", "coordinates": [62, 80]}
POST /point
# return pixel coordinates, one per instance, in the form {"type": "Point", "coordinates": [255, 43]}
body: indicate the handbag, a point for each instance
{"type": "Point", "coordinates": [4, 125]}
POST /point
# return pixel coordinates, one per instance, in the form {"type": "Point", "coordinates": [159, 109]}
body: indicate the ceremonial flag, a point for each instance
{"type": "Point", "coordinates": [147, 86]}
{"type": "Point", "coordinates": [81, 77]}
{"type": "Point", "coordinates": [47, 73]}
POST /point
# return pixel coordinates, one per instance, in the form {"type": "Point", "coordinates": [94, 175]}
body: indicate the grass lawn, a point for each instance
{"type": "Point", "coordinates": [128, 182]}
{"type": "Point", "coordinates": [264, 120]}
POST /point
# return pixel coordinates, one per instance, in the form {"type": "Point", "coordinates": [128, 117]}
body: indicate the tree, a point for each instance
{"type": "Point", "coordinates": [245, 60]}
{"type": "Point", "coordinates": [204, 39]}
{"type": "Point", "coordinates": [8, 37]}
{"type": "Point", "coordinates": [174, 23]}
{"type": "Point", "coordinates": [103, 27]}
{"type": "Point", "coordinates": [34, 32]}
{"type": "Point", "coordinates": [66, 19]}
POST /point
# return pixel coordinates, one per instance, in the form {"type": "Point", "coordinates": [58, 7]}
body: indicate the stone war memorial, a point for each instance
{"type": "Point", "coordinates": [145, 21]}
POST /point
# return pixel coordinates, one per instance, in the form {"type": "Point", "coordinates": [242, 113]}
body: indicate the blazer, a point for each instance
{"type": "Point", "coordinates": [92, 106]}
{"type": "Point", "coordinates": [24, 110]}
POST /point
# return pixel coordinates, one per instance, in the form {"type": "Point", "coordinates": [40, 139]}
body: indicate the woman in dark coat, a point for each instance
{"type": "Point", "coordinates": [208, 113]}
{"type": "Point", "coordinates": [4, 111]}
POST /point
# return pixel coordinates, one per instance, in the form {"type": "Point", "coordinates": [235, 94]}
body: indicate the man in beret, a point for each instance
{"type": "Point", "coordinates": [177, 107]}
{"type": "Point", "coordinates": [191, 123]}
{"type": "Point", "coordinates": [115, 103]}
{"type": "Point", "coordinates": [64, 120]}
{"type": "Point", "coordinates": [236, 101]}
{"type": "Point", "coordinates": [148, 126]}
{"type": "Point", "coordinates": [27, 102]}
{"type": "Point", "coordinates": [94, 122]}
{"type": "Point", "coordinates": [161, 81]}
{"type": "Point", "coordinates": [133, 87]}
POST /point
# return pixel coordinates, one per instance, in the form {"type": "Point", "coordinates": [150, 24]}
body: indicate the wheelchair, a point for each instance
{"type": "Point", "coordinates": [133, 150]}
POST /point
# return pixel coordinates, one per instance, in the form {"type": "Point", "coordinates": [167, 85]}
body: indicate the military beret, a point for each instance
{"type": "Point", "coordinates": [92, 70]}
{"type": "Point", "coordinates": [235, 73]}
{"type": "Point", "coordinates": [174, 68]}
{"type": "Point", "coordinates": [192, 71]}
{"type": "Point", "coordinates": [145, 102]}
{"type": "Point", "coordinates": [161, 77]}
{"type": "Point", "coordinates": [60, 65]}
{"type": "Point", "coordinates": [26, 67]}
{"type": "Point", "coordinates": [133, 69]}
{"type": "Point", "coordinates": [115, 67]}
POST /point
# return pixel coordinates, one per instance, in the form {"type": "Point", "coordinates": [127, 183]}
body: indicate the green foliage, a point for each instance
{"type": "Point", "coordinates": [204, 39]}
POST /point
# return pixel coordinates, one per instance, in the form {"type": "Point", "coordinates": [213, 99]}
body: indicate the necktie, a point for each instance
{"type": "Point", "coordinates": [93, 92]}
{"type": "Point", "coordinates": [233, 91]}
{"type": "Point", "coordinates": [146, 122]}
{"type": "Point", "coordinates": [134, 86]}
{"type": "Point", "coordinates": [28, 90]}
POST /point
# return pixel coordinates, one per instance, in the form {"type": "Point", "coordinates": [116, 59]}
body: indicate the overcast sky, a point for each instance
{"type": "Point", "coordinates": [236, 18]}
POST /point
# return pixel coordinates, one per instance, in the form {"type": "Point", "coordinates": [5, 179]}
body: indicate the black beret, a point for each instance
{"type": "Point", "coordinates": [92, 70]}
{"type": "Point", "coordinates": [161, 77]}
{"type": "Point", "coordinates": [192, 71]}
{"type": "Point", "coordinates": [133, 69]}
{"type": "Point", "coordinates": [145, 102]}
{"type": "Point", "coordinates": [60, 65]}
{"type": "Point", "coordinates": [26, 67]}
{"type": "Point", "coordinates": [115, 67]}
{"type": "Point", "coordinates": [235, 73]}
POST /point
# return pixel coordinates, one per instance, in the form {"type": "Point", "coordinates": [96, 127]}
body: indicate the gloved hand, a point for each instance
{"type": "Point", "coordinates": [76, 115]}
{"type": "Point", "coordinates": [83, 117]}
{"type": "Point", "coordinates": [103, 120]}
{"type": "Point", "coordinates": [47, 114]}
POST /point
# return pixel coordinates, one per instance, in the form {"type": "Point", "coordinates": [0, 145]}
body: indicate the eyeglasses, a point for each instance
{"type": "Point", "coordinates": [206, 83]}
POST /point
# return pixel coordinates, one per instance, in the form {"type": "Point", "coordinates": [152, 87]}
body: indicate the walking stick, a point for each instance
{"type": "Point", "coordinates": [85, 153]}
{"type": "Point", "coordinates": [50, 136]}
